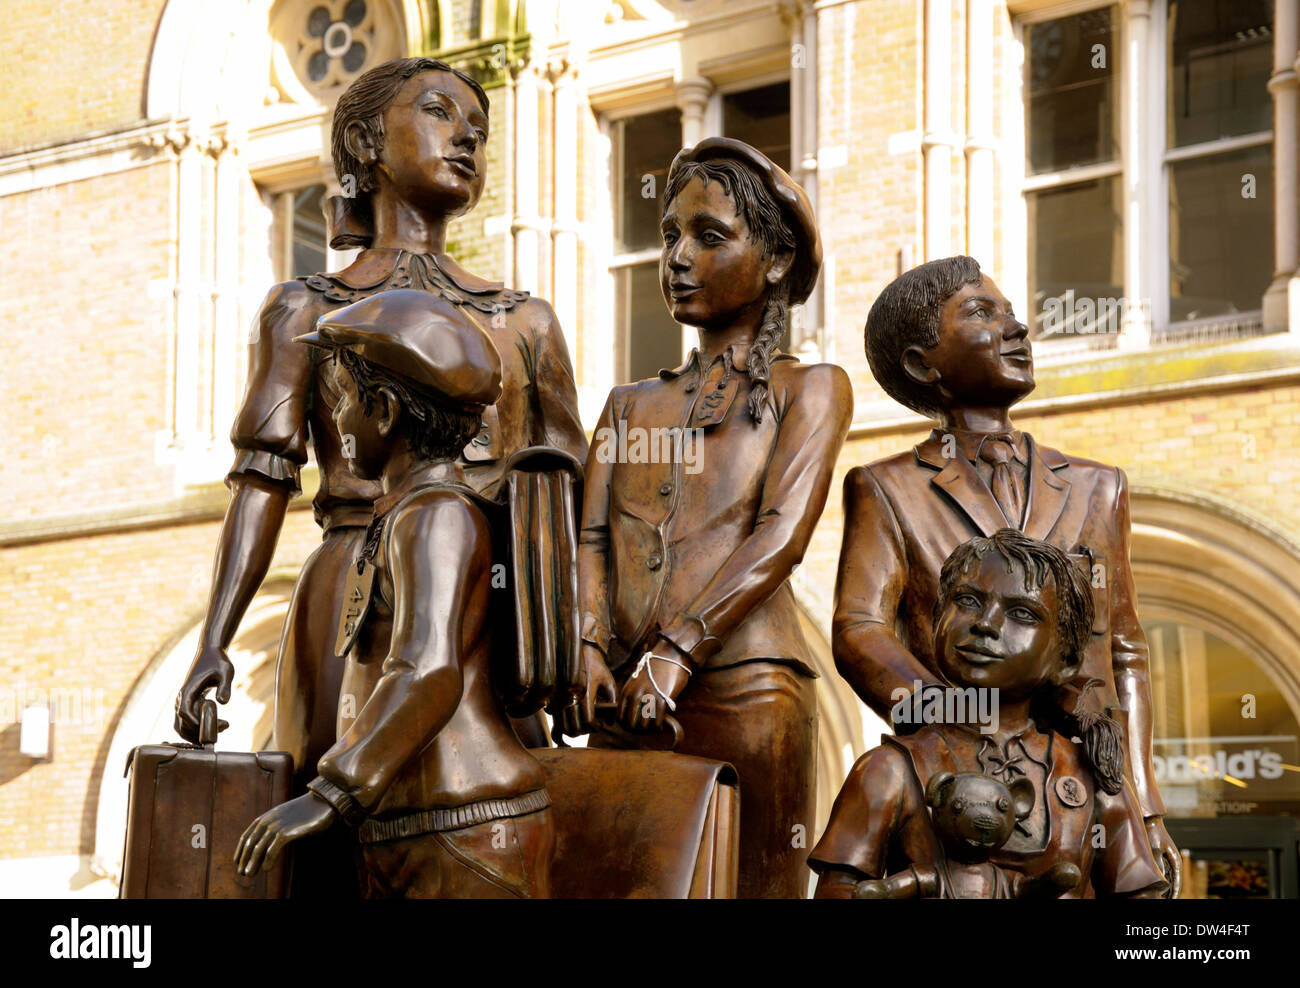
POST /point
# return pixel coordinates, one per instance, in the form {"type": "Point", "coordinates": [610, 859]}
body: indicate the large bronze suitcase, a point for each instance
{"type": "Point", "coordinates": [187, 807]}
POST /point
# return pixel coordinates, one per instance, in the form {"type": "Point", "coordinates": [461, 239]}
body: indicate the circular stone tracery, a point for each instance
{"type": "Point", "coordinates": [326, 44]}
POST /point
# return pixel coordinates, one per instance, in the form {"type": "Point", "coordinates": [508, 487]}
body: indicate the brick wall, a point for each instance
{"type": "Point", "coordinates": [90, 613]}
{"type": "Point", "coordinates": [85, 377]}
{"type": "Point", "coordinates": [73, 70]}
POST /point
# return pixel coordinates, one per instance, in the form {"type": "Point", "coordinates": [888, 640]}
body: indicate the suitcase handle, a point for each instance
{"type": "Point", "coordinates": [667, 738]}
{"type": "Point", "coordinates": [208, 723]}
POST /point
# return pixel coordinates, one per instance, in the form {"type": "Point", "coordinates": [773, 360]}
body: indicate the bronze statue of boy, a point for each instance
{"type": "Point", "coordinates": [943, 340]}
{"type": "Point", "coordinates": [445, 800]}
{"type": "Point", "coordinates": [1011, 806]}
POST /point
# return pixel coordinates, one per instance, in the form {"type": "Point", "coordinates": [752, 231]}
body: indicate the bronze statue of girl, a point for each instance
{"type": "Point", "coordinates": [685, 560]}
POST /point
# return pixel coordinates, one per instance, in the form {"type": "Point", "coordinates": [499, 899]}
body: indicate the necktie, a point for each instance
{"type": "Point", "coordinates": [1006, 489]}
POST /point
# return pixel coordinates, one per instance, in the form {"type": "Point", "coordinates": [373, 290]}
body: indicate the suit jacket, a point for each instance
{"type": "Point", "coordinates": [289, 398]}
{"type": "Point", "coordinates": [701, 555]}
{"type": "Point", "coordinates": [903, 515]}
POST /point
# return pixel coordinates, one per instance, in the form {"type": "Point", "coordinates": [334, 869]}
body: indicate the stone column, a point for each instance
{"type": "Point", "coordinates": [938, 141]}
{"type": "Point", "coordinates": [226, 341]}
{"type": "Point", "coordinates": [187, 312]}
{"type": "Point", "coordinates": [693, 97]}
{"type": "Point", "coordinates": [1135, 324]}
{"type": "Point", "coordinates": [526, 225]}
{"type": "Point", "coordinates": [979, 138]}
{"type": "Point", "coordinates": [564, 228]}
{"type": "Point", "coordinates": [1286, 196]}
{"type": "Point", "coordinates": [804, 335]}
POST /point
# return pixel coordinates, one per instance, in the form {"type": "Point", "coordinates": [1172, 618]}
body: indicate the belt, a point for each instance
{"type": "Point", "coordinates": [457, 817]}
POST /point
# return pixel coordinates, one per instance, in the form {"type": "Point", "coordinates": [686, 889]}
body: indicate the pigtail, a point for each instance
{"type": "Point", "coordinates": [1078, 712]}
{"type": "Point", "coordinates": [776, 316]}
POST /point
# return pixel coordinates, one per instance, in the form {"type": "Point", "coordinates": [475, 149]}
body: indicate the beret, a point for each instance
{"type": "Point", "coordinates": [421, 337]}
{"type": "Point", "coordinates": [789, 196]}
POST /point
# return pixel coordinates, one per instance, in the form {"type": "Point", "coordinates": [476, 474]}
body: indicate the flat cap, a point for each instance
{"type": "Point", "coordinates": [421, 337]}
{"type": "Point", "coordinates": [789, 196]}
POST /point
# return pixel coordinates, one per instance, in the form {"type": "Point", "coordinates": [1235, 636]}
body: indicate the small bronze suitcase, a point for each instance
{"type": "Point", "coordinates": [642, 824]}
{"type": "Point", "coordinates": [188, 806]}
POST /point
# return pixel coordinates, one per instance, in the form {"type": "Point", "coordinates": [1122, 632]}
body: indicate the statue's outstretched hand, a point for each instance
{"type": "Point", "coordinates": [271, 832]}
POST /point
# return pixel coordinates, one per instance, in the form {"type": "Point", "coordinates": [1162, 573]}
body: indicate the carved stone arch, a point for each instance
{"type": "Point", "coordinates": [425, 22]}
{"type": "Point", "coordinates": [146, 715]}
{"type": "Point", "coordinates": [211, 60]}
{"type": "Point", "coordinates": [1202, 561]}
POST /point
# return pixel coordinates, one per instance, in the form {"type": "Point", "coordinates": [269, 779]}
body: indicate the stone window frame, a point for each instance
{"type": "Point", "coordinates": [1146, 165]}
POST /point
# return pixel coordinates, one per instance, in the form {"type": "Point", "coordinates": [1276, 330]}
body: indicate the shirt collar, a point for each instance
{"type": "Point", "coordinates": [440, 474]}
{"type": "Point", "coordinates": [969, 443]}
{"type": "Point", "coordinates": [736, 353]}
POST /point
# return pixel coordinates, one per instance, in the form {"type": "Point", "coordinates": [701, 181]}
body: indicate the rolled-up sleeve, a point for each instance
{"type": "Point", "coordinates": [593, 541]}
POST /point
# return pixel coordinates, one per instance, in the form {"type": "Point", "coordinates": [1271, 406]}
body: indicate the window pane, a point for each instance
{"type": "Point", "coordinates": [1209, 760]}
{"type": "Point", "coordinates": [760, 117]}
{"type": "Point", "coordinates": [308, 232]}
{"type": "Point", "coordinates": [650, 339]}
{"type": "Point", "coordinates": [649, 143]}
{"type": "Point", "coordinates": [1075, 258]}
{"type": "Point", "coordinates": [1073, 75]}
{"type": "Point", "coordinates": [1221, 55]}
{"type": "Point", "coordinates": [1220, 242]}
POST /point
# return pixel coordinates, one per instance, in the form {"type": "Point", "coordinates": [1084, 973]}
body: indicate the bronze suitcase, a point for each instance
{"type": "Point", "coordinates": [186, 809]}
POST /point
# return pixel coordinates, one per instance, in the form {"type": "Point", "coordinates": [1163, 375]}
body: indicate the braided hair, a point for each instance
{"type": "Point", "coordinates": [768, 226]}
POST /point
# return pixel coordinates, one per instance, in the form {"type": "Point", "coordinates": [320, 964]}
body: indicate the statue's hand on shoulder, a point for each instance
{"type": "Point", "coordinates": [650, 694]}
{"type": "Point", "coordinates": [210, 669]}
{"type": "Point", "coordinates": [1166, 854]}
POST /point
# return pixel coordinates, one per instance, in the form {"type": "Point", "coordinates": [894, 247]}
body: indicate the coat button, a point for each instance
{"type": "Point", "coordinates": [655, 561]}
{"type": "Point", "coordinates": [665, 489]}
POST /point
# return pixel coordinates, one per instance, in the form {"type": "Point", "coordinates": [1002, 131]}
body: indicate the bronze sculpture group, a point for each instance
{"type": "Point", "coordinates": [650, 595]}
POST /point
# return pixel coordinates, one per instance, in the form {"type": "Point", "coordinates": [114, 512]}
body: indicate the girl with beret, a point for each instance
{"type": "Point", "coordinates": [685, 559]}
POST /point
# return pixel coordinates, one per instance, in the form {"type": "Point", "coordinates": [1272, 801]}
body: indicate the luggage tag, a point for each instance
{"type": "Point", "coordinates": [357, 592]}
{"type": "Point", "coordinates": [715, 397]}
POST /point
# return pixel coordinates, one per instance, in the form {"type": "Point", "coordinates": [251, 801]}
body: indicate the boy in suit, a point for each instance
{"type": "Point", "coordinates": [943, 340]}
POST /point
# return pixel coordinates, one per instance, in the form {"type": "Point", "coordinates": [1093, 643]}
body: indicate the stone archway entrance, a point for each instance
{"type": "Point", "coordinates": [1217, 595]}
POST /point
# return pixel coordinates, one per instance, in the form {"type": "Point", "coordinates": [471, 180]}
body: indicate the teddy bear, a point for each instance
{"type": "Point", "coordinates": [973, 815]}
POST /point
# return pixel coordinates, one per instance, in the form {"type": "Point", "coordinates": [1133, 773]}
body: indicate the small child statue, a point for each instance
{"type": "Point", "coordinates": [1013, 616]}
{"type": "Point", "coordinates": [445, 800]}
